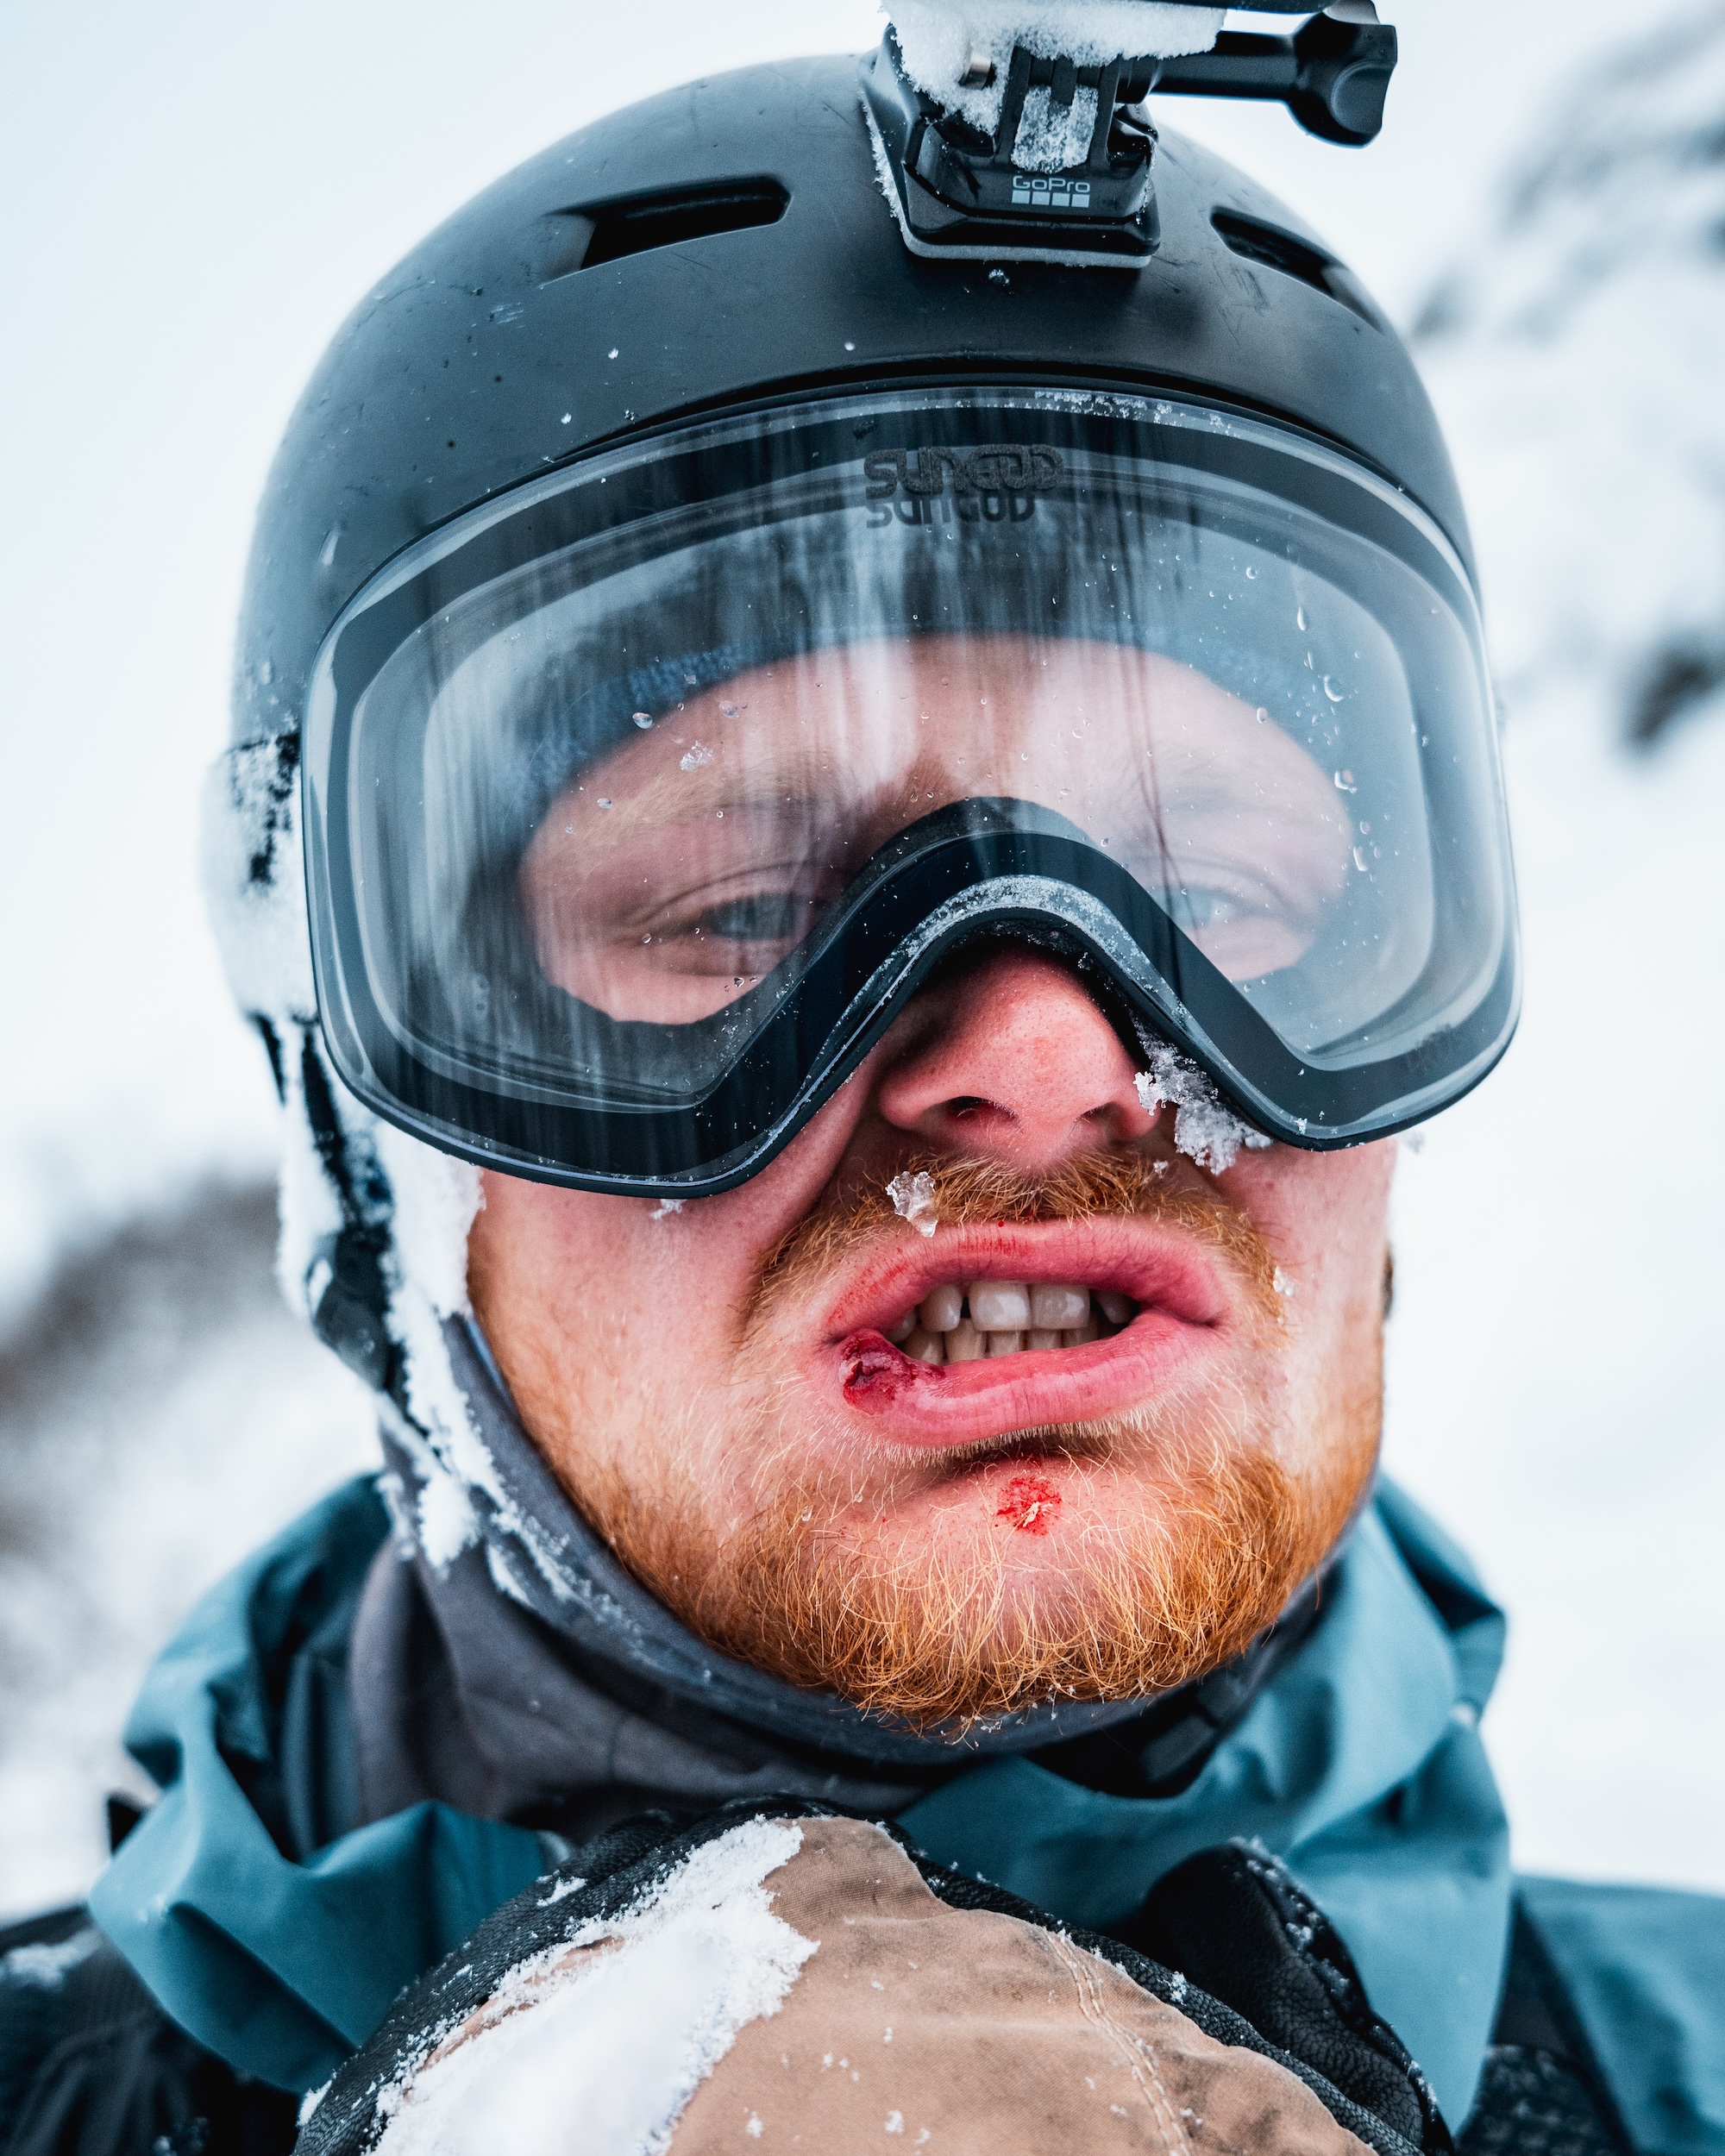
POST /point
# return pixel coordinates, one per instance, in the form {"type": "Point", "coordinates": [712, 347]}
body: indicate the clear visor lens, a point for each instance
{"type": "Point", "coordinates": [686, 866]}
{"type": "Point", "coordinates": [599, 776]}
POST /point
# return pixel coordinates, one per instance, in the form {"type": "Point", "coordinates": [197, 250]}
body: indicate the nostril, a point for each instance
{"type": "Point", "coordinates": [1057, 1073]}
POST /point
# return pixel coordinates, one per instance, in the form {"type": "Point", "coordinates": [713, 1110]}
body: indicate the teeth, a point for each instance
{"type": "Point", "coordinates": [1055, 1307]}
{"type": "Point", "coordinates": [1000, 1306]}
{"type": "Point", "coordinates": [958, 1323]}
{"type": "Point", "coordinates": [964, 1344]}
{"type": "Point", "coordinates": [943, 1309]}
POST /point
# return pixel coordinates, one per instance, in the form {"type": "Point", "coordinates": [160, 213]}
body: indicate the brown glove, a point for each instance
{"type": "Point", "coordinates": [795, 1980]}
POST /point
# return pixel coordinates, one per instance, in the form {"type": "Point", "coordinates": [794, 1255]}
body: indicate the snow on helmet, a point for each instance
{"type": "Point", "coordinates": [792, 529]}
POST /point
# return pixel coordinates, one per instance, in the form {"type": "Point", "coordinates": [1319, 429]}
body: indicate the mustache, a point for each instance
{"type": "Point", "coordinates": [852, 1216]}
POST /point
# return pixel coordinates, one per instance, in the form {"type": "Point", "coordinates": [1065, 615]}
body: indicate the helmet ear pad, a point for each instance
{"type": "Point", "coordinates": [372, 1247]}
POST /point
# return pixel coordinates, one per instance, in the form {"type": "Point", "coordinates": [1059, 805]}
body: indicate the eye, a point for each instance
{"type": "Point", "coordinates": [769, 916]}
{"type": "Point", "coordinates": [1197, 905]}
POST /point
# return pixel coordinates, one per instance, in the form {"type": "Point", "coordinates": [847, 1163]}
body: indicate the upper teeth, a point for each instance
{"type": "Point", "coordinates": [960, 1323]}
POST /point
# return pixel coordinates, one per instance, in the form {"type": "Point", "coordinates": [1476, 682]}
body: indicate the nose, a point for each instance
{"type": "Point", "coordinates": [1012, 1060]}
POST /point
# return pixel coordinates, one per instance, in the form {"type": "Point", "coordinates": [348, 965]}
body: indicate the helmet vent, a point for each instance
{"type": "Point", "coordinates": [667, 219]}
{"type": "Point", "coordinates": [1280, 250]}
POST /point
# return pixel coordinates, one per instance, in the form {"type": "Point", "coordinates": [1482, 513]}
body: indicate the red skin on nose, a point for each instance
{"type": "Point", "coordinates": [1030, 1501]}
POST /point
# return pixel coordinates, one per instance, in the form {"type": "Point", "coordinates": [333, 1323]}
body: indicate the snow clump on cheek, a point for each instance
{"type": "Point", "coordinates": [1204, 1130]}
{"type": "Point", "coordinates": [437, 1198]}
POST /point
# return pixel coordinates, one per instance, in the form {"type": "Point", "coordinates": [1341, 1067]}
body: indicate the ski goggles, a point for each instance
{"type": "Point", "coordinates": [638, 803]}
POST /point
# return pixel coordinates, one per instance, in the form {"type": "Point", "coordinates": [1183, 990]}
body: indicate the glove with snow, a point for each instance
{"type": "Point", "coordinates": [791, 1978]}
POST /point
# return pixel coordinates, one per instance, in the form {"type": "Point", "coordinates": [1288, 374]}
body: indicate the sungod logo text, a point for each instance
{"type": "Point", "coordinates": [995, 467]}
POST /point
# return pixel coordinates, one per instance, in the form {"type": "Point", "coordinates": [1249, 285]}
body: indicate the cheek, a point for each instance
{"type": "Point", "coordinates": [1325, 1217]}
{"type": "Point", "coordinates": [1319, 1210]}
{"type": "Point", "coordinates": [622, 1287]}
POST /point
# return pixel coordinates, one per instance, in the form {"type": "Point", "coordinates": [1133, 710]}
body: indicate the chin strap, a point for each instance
{"type": "Point", "coordinates": [347, 1288]}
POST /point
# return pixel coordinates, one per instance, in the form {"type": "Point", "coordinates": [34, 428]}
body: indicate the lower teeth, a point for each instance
{"type": "Point", "coordinates": [944, 1329]}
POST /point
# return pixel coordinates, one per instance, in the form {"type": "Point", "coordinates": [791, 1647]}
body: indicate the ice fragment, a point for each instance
{"type": "Point", "coordinates": [913, 1198]}
{"type": "Point", "coordinates": [1204, 1130]}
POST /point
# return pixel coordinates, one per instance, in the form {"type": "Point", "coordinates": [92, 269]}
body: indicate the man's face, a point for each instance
{"type": "Point", "coordinates": [1160, 1399]}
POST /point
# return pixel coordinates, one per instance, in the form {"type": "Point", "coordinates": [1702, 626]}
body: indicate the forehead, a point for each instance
{"type": "Point", "coordinates": [949, 698]}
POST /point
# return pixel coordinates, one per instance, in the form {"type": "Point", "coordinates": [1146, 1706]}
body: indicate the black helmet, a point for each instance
{"type": "Point", "coordinates": [1109, 591]}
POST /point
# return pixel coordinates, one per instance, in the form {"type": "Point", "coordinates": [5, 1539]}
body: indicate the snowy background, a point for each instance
{"type": "Point", "coordinates": [195, 196]}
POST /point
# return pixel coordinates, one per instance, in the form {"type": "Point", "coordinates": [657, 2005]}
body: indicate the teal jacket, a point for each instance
{"type": "Point", "coordinates": [279, 1940]}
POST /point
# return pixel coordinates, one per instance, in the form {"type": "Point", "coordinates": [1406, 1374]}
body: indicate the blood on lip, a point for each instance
{"type": "Point", "coordinates": [877, 1368]}
{"type": "Point", "coordinates": [1029, 1501]}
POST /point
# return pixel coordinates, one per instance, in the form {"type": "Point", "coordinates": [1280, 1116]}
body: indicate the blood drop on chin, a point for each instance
{"type": "Point", "coordinates": [1029, 1501]}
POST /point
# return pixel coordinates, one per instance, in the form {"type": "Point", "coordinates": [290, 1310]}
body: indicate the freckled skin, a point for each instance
{"type": "Point", "coordinates": [621, 1333]}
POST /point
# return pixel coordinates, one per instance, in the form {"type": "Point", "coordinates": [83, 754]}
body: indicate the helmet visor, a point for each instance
{"type": "Point", "coordinates": [638, 803]}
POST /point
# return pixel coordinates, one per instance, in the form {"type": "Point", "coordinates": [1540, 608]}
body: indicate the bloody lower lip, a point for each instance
{"type": "Point", "coordinates": [968, 1403]}
{"type": "Point", "coordinates": [1183, 1307]}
